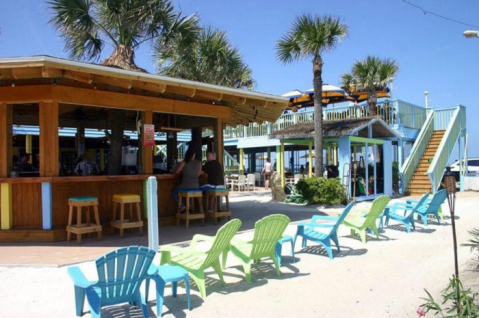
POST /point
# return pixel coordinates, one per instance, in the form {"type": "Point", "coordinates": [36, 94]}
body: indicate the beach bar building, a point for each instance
{"type": "Point", "coordinates": [58, 95]}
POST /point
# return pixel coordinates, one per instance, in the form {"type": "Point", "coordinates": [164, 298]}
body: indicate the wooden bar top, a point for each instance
{"type": "Point", "coordinates": [88, 178]}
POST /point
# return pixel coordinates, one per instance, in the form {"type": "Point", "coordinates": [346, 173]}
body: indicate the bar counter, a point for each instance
{"type": "Point", "coordinates": [42, 202]}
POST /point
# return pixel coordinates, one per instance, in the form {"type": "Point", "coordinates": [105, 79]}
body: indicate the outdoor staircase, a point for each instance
{"type": "Point", "coordinates": [420, 182]}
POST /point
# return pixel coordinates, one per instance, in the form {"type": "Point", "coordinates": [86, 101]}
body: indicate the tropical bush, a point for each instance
{"type": "Point", "coordinates": [318, 190]}
{"type": "Point", "coordinates": [396, 176]}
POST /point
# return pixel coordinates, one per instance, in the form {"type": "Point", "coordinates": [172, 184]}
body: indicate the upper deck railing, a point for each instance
{"type": "Point", "coordinates": [393, 112]}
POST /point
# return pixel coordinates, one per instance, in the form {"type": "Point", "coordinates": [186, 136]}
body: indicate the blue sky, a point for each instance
{"type": "Point", "coordinates": [431, 52]}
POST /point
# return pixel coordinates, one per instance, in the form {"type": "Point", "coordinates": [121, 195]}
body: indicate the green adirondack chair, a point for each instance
{"type": "Point", "coordinates": [196, 261]}
{"type": "Point", "coordinates": [362, 223]}
{"type": "Point", "coordinates": [267, 232]}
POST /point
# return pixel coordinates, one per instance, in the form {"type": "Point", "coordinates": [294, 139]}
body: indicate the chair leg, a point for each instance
{"type": "Point", "coordinates": [327, 247]}
{"type": "Point", "coordinates": [79, 300]}
{"type": "Point", "coordinates": [362, 234]}
{"type": "Point", "coordinates": [95, 304]}
{"type": "Point", "coordinates": [304, 242]}
{"type": "Point", "coordinates": [277, 252]}
{"type": "Point", "coordinates": [142, 304]}
{"type": "Point", "coordinates": [174, 289]}
{"type": "Point", "coordinates": [411, 220]}
{"type": "Point", "coordinates": [217, 267]}
{"type": "Point", "coordinates": [292, 251]}
{"type": "Point", "coordinates": [408, 227]}
{"type": "Point", "coordinates": [160, 291]}
{"type": "Point", "coordinates": [224, 256]}
{"type": "Point", "coordinates": [199, 278]}
{"type": "Point", "coordinates": [187, 283]}
{"type": "Point", "coordinates": [247, 271]}
{"type": "Point", "coordinates": [334, 237]}
{"type": "Point", "coordinates": [276, 264]}
{"type": "Point", "coordinates": [147, 288]}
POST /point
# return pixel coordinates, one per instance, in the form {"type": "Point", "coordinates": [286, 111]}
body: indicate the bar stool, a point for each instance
{"type": "Point", "coordinates": [187, 216]}
{"type": "Point", "coordinates": [88, 227]}
{"type": "Point", "coordinates": [216, 195]}
{"type": "Point", "coordinates": [122, 223]}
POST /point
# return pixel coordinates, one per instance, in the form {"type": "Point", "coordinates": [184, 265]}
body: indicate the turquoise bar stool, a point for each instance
{"type": "Point", "coordinates": [83, 228]}
{"type": "Point", "coordinates": [163, 275]}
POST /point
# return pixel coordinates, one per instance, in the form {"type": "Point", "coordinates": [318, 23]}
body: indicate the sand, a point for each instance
{"type": "Point", "coordinates": [383, 278]}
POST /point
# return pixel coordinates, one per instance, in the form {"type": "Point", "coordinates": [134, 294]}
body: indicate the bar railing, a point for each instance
{"type": "Point", "coordinates": [457, 122]}
{"type": "Point", "coordinates": [231, 165]}
{"type": "Point", "coordinates": [391, 111]}
{"type": "Point", "coordinates": [409, 166]}
{"type": "Point", "coordinates": [443, 118]}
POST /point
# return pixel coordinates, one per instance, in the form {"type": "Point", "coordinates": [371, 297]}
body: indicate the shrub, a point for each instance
{"type": "Point", "coordinates": [321, 190]}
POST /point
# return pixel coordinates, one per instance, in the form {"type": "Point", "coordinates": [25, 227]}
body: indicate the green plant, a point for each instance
{"type": "Point", "coordinates": [474, 242]}
{"type": "Point", "coordinates": [466, 307]}
{"type": "Point", "coordinates": [321, 190]}
{"type": "Point", "coordinates": [395, 176]}
{"type": "Point", "coordinates": [296, 196]}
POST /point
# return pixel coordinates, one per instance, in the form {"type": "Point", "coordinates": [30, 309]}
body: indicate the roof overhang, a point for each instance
{"type": "Point", "coordinates": [245, 106]}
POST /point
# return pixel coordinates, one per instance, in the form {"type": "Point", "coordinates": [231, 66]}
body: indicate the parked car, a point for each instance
{"type": "Point", "coordinates": [472, 167]}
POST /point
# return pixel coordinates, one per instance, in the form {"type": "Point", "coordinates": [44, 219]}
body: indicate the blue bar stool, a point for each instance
{"type": "Point", "coordinates": [163, 275]}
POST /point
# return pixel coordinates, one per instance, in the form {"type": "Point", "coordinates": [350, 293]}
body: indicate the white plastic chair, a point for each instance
{"type": "Point", "coordinates": [240, 183]}
{"type": "Point", "coordinates": [298, 177]}
{"type": "Point", "coordinates": [258, 178]}
{"type": "Point", "coordinates": [250, 181]}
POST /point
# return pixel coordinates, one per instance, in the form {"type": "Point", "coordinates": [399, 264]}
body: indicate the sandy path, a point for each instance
{"type": "Point", "coordinates": [384, 278]}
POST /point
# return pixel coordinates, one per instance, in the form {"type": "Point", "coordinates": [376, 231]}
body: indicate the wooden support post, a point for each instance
{"type": "Point", "coordinates": [219, 144]}
{"type": "Point", "coordinates": [146, 152]}
{"type": "Point", "coordinates": [28, 147]}
{"type": "Point", "coordinates": [49, 149]}
{"type": "Point", "coordinates": [102, 159]}
{"type": "Point", "coordinates": [47, 216]}
{"type": "Point", "coordinates": [241, 161]}
{"type": "Point", "coordinates": [6, 122]}
{"type": "Point", "coordinates": [6, 206]}
{"type": "Point", "coordinates": [335, 156]}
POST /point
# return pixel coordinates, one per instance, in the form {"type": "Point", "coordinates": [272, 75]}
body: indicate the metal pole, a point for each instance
{"type": "Point", "coordinates": [425, 99]}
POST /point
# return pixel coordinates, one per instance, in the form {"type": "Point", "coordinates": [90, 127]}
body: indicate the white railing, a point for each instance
{"type": "Point", "coordinates": [409, 166]}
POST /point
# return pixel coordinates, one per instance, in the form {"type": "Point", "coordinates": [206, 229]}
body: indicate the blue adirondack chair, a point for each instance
{"type": "Point", "coordinates": [120, 274]}
{"type": "Point", "coordinates": [307, 230]}
{"type": "Point", "coordinates": [432, 206]}
{"type": "Point", "coordinates": [407, 218]}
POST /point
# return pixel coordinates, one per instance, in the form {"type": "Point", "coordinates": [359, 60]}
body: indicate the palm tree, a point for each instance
{"type": "Point", "coordinates": [370, 75]}
{"type": "Point", "coordinates": [210, 59]}
{"type": "Point", "coordinates": [309, 37]}
{"type": "Point", "coordinates": [87, 25]}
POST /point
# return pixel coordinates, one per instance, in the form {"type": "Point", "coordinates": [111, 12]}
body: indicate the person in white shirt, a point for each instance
{"type": "Point", "coordinates": [267, 172]}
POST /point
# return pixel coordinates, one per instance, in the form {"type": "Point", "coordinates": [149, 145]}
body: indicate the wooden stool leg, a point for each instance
{"type": "Point", "coordinates": [178, 210]}
{"type": "Point", "coordinates": [215, 219]}
{"type": "Point", "coordinates": [187, 212]}
{"type": "Point", "coordinates": [70, 217]}
{"type": "Point", "coordinates": [122, 218]}
{"type": "Point", "coordinates": [200, 201]}
{"type": "Point", "coordinates": [97, 221]}
{"type": "Point", "coordinates": [113, 218]}
{"type": "Point", "coordinates": [131, 212]}
{"type": "Point", "coordinates": [138, 215]}
{"type": "Point", "coordinates": [88, 220]}
{"type": "Point", "coordinates": [79, 224]}
{"type": "Point", "coordinates": [228, 206]}
{"type": "Point", "coordinates": [193, 205]}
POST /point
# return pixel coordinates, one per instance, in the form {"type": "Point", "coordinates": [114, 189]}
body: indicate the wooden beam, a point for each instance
{"type": "Point", "coordinates": [49, 148]}
{"type": "Point", "coordinates": [209, 95]}
{"type": "Point", "coordinates": [123, 83]}
{"type": "Point", "coordinates": [6, 122]}
{"type": "Point", "coordinates": [5, 73]}
{"type": "Point", "coordinates": [157, 88]}
{"type": "Point", "coordinates": [65, 109]}
{"type": "Point", "coordinates": [146, 152]}
{"type": "Point", "coordinates": [218, 142]}
{"type": "Point", "coordinates": [185, 91]}
{"type": "Point", "coordinates": [256, 102]}
{"type": "Point", "coordinates": [27, 72]}
{"type": "Point", "coordinates": [50, 72]}
{"type": "Point", "coordinates": [25, 94]}
{"type": "Point", "coordinates": [79, 77]}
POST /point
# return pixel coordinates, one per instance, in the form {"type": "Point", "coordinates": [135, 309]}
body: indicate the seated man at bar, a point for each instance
{"type": "Point", "coordinates": [86, 168]}
{"type": "Point", "coordinates": [25, 165]}
{"type": "Point", "coordinates": [214, 170]}
{"type": "Point", "coordinates": [191, 170]}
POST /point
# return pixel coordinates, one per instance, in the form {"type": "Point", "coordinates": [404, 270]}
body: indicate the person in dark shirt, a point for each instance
{"type": "Point", "coordinates": [25, 165]}
{"type": "Point", "coordinates": [214, 169]}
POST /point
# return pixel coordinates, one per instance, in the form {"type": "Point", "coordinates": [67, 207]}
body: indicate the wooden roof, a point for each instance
{"type": "Point", "coordinates": [337, 128]}
{"type": "Point", "coordinates": [244, 106]}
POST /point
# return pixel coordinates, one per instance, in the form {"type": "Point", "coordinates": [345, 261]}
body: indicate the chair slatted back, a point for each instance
{"type": "Point", "coordinates": [436, 201]}
{"type": "Point", "coordinates": [267, 232]}
{"type": "Point", "coordinates": [251, 178]}
{"type": "Point", "coordinates": [222, 240]}
{"type": "Point", "coordinates": [420, 202]}
{"type": "Point", "coordinates": [341, 218]}
{"type": "Point", "coordinates": [378, 206]}
{"type": "Point", "coordinates": [121, 272]}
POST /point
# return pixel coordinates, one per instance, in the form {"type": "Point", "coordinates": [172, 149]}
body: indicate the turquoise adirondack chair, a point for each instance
{"type": "Point", "coordinates": [391, 212]}
{"type": "Point", "coordinates": [267, 232]}
{"type": "Point", "coordinates": [195, 261]}
{"type": "Point", "coordinates": [368, 221]}
{"type": "Point", "coordinates": [308, 230]}
{"type": "Point", "coordinates": [431, 206]}
{"type": "Point", "coordinates": [120, 274]}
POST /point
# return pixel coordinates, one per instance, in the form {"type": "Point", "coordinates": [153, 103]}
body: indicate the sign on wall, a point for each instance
{"type": "Point", "coordinates": [148, 135]}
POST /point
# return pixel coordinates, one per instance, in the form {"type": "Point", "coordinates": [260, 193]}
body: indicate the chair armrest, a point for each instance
{"type": "Point", "coordinates": [172, 248]}
{"type": "Point", "coordinates": [79, 278]}
{"type": "Point", "coordinates": [152, 270]}
{"type": "Point", "coordinates": [409, 201]}
{"type": "Point", "coordinates": [326, 217]}
{"type": "Point", "coordinates": [200, 237]}
{"type": "Point", "coordinates": [315, 224]}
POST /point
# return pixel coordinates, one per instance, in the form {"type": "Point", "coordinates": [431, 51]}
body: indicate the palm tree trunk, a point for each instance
{"type": "Point", "coordinates": [116, 142]}
{"type": "Point", "coordinates": [123, 57]}
{"type": "Point", "coordinates": [372, 102]}
{"type": "Point", "coordinates": [318, 115]}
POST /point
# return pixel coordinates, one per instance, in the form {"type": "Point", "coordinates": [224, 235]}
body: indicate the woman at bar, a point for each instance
{"type": "Point", "coordinates": [191, 170]}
